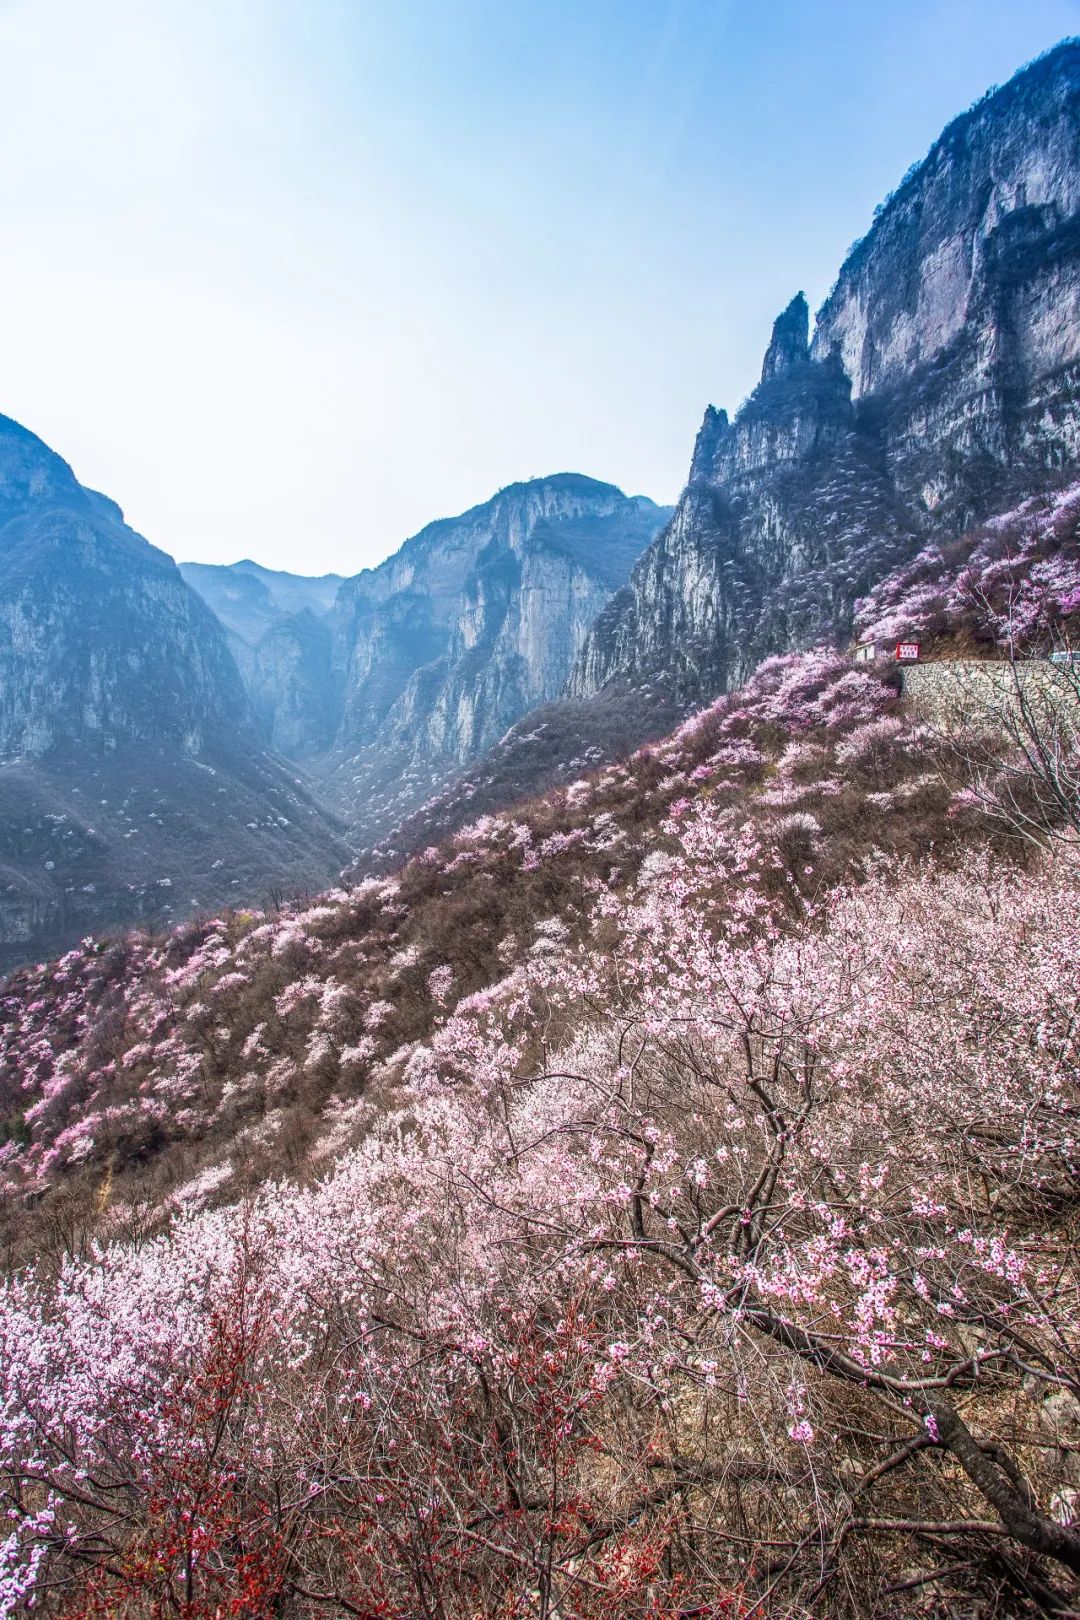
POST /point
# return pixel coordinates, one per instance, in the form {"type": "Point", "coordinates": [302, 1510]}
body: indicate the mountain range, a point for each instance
{"type": "Point", "coordinates": [176, 738]}
{"type": "Point", "coordinates": [651, 1194]}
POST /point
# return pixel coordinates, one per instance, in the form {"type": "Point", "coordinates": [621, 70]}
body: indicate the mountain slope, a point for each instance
{"type": "Point", "coordinates": [822, 758]}
{"type": "Point", "coordinates": [249, 599]}
{"type": "Point", "coordinates": [474, 621]}
{"type": "Point", "coordinates": [697, 1078]}
{"type": "Point", "coordinates": [132, 779]}
{"type": "Point", "coordinates": [940, 387]}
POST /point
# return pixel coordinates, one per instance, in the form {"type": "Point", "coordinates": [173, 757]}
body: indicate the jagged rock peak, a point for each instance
{"type": "Point", "coordinates": [942, 385]}
{"type": "Point", "coordinates": [714, 429]}
{"type": "Point", "coordinates": [790, 345]}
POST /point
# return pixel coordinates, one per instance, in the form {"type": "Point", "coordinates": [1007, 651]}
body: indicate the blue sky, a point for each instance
{"type": "Point", "coordinates": [290, 278]}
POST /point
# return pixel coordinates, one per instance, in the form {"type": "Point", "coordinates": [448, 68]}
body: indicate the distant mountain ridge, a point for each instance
{"type": "Point", "coordinates": [410, 669]}
{"type": "Point", "coordinates": [133, 780]}
{"type": "Point", "coordinates": [249, 599]}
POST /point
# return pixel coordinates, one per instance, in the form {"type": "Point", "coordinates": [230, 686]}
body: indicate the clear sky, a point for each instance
{"type": "Point", "coordinates": [290, 278]}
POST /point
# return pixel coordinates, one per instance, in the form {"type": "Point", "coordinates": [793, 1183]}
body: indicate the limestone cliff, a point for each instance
{"type": "Point", "coordinates": [133, 781]}
{"type": "Point", "coordinates": [278, 629]}
{"type": "Point", "coordinates": [382, 683]}
{"type": "Point", "coordinates": [294, 684]}
{"type": "Point", "coordinates": [471, 623]}
{"type": "Point", "coordinates": [940, 386]}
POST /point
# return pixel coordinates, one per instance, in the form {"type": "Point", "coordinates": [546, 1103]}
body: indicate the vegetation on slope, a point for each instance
{"type": "Point", "coordinates": [149, 1071]}
{"type": "Point", "coordinates": [660, 1200]}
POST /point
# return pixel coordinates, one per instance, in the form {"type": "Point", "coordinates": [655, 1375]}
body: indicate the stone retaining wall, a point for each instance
{"type": "Point", "coordinates": [960, 692]}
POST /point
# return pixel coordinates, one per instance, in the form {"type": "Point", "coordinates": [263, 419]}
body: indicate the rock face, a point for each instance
{"type": "Point", "coordinates": [294, 684]}
{"type": "Point", "coordinates": [279, 633]}
{"type": "Point", "coordinates": [474, 621]}
{"type": "Point", "coordinates": [409, 670]}
{"type": "Point", "coordinates": [478, 618]}
{"type": "Point", "coordinates": [101, 642]}
{"type": "Point", "coordinates": [940, 386]}
{"type": "Point", "coordinates": [133, 782]}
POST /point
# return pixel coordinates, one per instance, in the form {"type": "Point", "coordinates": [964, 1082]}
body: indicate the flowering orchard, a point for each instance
{"type": "Point", "coordinates": [1014, 581]}
{"type": "Point", "coordinates": [149, 1073]}
{"type": "Point", "coordinates": [721, 1262]}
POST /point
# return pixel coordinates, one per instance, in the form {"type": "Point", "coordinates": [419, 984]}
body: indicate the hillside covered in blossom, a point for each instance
{"type": "Point", "coordinates": [657, 1199]}
{"type": "Point", "coordinates": [1014, 580]}
{"type": "Point", "coordinates": [644, 1183]}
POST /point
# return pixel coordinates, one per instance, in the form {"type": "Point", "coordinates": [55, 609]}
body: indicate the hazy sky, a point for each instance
{"type": "Point", "coordinates": [290, 278]}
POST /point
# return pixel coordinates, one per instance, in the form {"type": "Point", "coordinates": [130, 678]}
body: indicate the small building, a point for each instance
{"type": "Point", "coordinates": [957, 692]}
{"type": "Point", "coordinates": [868, 651]}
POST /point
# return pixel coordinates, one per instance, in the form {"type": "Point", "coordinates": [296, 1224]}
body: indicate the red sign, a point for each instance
{"type": "Point", "coordinates": [908, 652]}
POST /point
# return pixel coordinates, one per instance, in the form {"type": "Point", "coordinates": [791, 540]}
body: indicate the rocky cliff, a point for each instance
{"type": "Point", "coordinates": [133, 782]}
{"type": "Point", "coordinates": [389, 680]}
{"type": "Point", "coordinates": [294, 684]}
{"type": "Point", "coordinates": [474, 621]}
{"type": "Point", "coordinates": [278, 628]}
{"type": "Point", "coordinates": [939, 387]}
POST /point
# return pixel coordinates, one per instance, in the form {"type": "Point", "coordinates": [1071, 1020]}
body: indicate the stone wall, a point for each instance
{"type": "Point", "coordinates": [963, 692]}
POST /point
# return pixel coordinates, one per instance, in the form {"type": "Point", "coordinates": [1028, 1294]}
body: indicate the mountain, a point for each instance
{"type": "Point", "coordinates": [279, 632]}
{"type": "Point", "coordinates": [939, 387]}
{"type": "Point", "coordinates": [294, 685]}
{"type": "Point", "coordinates": [475, 621]}
{"type": "Point", "coordinates": [133, 781]}
{"type": "Point", "coordinates": [385, 684]}
{"type": "Point", "coordinates": [250, 599]}
{"type": "Point", "coordinates": [479, 617]}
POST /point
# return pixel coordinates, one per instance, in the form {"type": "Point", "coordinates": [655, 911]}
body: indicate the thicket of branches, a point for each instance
{"type": "Point", "coordinates": [697, 1224]}
{"type": "Point", "coordinates": [730, 1270]}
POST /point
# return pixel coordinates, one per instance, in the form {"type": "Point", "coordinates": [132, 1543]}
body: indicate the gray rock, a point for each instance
{"type": "Point", "coordinates": [134, 783]}
{"type": "Point", "coordinates": [473, 622]}
{"type": "Point", "coordinates": [940, 387]}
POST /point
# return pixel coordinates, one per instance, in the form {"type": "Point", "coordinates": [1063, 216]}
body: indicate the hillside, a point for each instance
{"type": "Point", "coordinates": [685, 1100]}
{"type": "Point", "coordinates": [644, 1186]}
{"type": "Point", "coordinates": [939, 387]}
{"type": "Point", "coordinates": [134, 785]}
{"type": "Point", "coordinates": [816, 754]}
